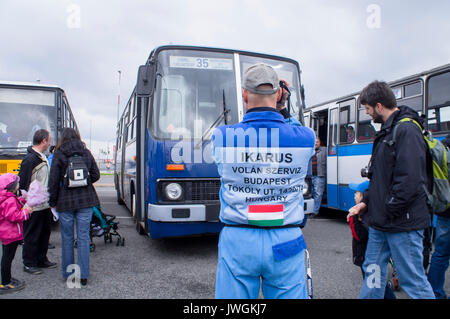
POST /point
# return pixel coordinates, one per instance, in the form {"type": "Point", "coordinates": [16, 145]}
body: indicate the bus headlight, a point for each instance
{"type": "Point", "coordinates": [173, 191]}
{"type": "Point", "coordinates": [305, 187]}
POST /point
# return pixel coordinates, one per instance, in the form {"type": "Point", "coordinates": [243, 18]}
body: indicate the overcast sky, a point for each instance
{"type": "Point", "coordinates": [340, 45]}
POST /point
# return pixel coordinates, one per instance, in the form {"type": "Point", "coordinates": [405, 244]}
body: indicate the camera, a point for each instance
{"type": "Point", "coordinates": [365, 172]}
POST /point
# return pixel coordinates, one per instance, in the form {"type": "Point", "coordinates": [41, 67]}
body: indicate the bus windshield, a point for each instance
{"type": "Point", "coordinates": [286, 70]}
{"type": "Point", "coordinates": [195, 91]}
{"type": "Point", "coordinates": [23, 112]}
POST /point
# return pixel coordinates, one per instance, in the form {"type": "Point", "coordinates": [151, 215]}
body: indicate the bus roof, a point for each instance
{"type": "Point", "coordinates": [29, 84]}
{"type": "Point", "coordinates": [200, 48]}
{"type": "Point", "coordinates": [391, 83]}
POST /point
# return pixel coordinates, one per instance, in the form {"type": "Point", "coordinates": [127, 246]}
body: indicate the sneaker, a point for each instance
{"type": "Point", "coordinates": [14, 285]}
{"type": "Point", "coordinates": [47, 264]}
{"type": "Point", "coordinates": [32, 270]}
{"type": "Point", "coordinates": [17, 282]}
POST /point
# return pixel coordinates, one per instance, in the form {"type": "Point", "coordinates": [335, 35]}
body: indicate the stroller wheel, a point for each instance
{"type": "Point", "coordinates": [123, 241]}
{"type": "Point", "coordinates": [118, 241]}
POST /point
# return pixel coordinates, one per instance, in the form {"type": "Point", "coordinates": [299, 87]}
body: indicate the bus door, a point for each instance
{"type": "Point", "coordinates": [141, 213]}
{"type": "Point", "coordinates": [332, 158]}
{"type": "Point", "coordinates": [307, 117]}
{"type": "Point", "coordinates": [349, 154]}
{"type": "Point", "coordinates": [122, 157]}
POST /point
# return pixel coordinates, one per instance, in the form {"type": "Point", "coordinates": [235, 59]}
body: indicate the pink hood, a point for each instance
{"type": "Point", "coordinates": [7, 179]}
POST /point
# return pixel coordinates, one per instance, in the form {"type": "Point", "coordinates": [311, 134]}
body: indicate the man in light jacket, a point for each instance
{"type": "Point", "coordinates": [38, 228]}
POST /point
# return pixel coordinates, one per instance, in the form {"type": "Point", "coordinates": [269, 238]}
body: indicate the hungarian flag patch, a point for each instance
{"type": "Point", "coordinates": [265, 215]}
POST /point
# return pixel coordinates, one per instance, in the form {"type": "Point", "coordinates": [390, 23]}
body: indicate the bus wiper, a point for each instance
{"type": "Point", "coordinates": [223, 116]}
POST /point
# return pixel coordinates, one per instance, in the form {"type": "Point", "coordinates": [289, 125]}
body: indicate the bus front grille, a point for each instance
{"type": "Point", "coordinates": [205, 190]}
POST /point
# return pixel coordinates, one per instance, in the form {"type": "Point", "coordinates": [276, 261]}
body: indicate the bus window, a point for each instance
{"type": "Point", "coordinates": [439, 103]}
{"type": "Point", "coordinates": [307, 124]}
{"type": "Point", "coordinates": [398, 92]}
{"type": "Point", "coordinates": [23, 112]}
{"type": "Point", "coordinates": [366, 128]}
{"type": "Point", "coordinates": [413, 89]}
{"type": "Point", "coordinates": [332, 141]}
{"type": "Point", "coordinates": [132, 119]}
{"type": "Point", "coordinates": [410, 95]}
{"type": "Point", "coordinates": [66, 118]}
{"type": "Point", "coordinates": [193, 91]}
{"type": "Point", "coordinates": [286, 71]}
{"type": "Point", "coordinates": [347, 122]}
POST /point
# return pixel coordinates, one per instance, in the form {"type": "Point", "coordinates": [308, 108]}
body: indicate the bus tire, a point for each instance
{"type": "Point", "coordinates": [119, 200]}
{"type": "Point", "coordinates": [140, 229]}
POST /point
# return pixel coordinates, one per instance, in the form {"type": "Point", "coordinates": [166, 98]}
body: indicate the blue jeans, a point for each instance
{"type": "Point", "coordinates": [440, 258]}
{"type": "Point", "coordinates": [83, 221]}
{"type": "Point", "coordinates": [406, 250]}
{"type": "Point", "coordinates": [318, 186]}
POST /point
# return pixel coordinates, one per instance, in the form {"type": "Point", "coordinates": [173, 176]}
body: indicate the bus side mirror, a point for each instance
{"type": "Point", "coordinates": [145, 80]}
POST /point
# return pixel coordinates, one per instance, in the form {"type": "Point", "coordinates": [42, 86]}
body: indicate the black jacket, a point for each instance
{"type": "Point", "coordinates": [30, 161]}
{"type": "Point", "coordinates": [396, 198]}
{"type": "Point", "coordinates": [69, 199]}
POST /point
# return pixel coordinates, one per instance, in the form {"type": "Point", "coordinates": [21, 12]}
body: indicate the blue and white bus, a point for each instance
{"type": "Point", "coordinates": [164, 172]}
{"type": "Point", "coordinates": [348, 132]}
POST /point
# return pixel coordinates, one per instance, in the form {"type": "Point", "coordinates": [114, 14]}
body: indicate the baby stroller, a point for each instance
{"type": "Point", "coordinates": [104, 225]}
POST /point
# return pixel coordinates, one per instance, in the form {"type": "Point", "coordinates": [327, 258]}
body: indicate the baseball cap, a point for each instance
{"type": "Point", "coordinates": [260, 74]}
{"type": "Point", "coordinates": [361, 187]}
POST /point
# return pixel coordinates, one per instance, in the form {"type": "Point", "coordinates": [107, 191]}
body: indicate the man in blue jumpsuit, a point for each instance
{"type": "Point", "coordinates": [263, 162]}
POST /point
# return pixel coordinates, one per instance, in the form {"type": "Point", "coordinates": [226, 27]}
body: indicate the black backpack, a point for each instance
{"type": "Point", "coordinates": [77, 172]}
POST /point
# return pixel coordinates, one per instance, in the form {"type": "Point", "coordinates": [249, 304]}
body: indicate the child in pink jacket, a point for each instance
{"type": "Point", "coordinates": [13, 212]}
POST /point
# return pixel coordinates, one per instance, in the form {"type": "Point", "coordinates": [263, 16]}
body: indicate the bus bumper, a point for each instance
{"type": "Point", "coordinates": [184, 213]}
{"type": "Point", "coordinates": [308, 206]}
{"type": "Point", "coordinates": [183, 220]}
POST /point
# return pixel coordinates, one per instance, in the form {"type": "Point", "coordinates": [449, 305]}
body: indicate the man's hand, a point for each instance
{"type": "Point", "coordinates": [281, 103]}
{"type": "Point", "coordinates": [356, 210]}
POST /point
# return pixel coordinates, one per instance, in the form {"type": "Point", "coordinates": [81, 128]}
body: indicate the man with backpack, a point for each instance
{"type": "Point", "coordinates": [397, 197]}
{"type": "Point", "coordinates": [38, 228]}
{"type": "Point", "coordinates": [440, 258]}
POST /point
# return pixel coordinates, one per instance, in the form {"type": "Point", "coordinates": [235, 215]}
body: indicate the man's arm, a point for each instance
{"type": "Point", "coordinates": [25, 172]}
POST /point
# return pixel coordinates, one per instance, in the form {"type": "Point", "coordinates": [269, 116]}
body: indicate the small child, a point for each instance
{"type": "Point", "coordinates": [360, 234]}
{"type": "Point", "coordinates": [13, 212]}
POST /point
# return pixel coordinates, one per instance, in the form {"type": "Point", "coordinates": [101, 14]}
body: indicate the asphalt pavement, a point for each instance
{"type": "Point", "coordinates": [183, 268]}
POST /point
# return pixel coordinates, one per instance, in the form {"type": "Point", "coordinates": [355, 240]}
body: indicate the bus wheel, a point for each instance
{"type": "Point", "coordinates": [119, 199]}
{"type": "Point", "coordinates": [139, 228]}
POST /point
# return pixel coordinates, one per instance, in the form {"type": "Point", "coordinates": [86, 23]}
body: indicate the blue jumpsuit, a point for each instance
{"type": "Point", "coordinates": [262, 162]}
